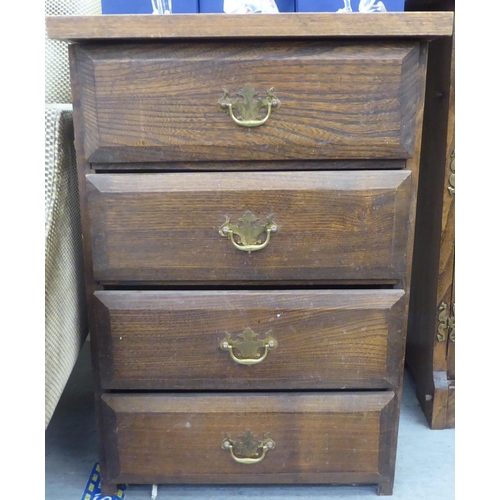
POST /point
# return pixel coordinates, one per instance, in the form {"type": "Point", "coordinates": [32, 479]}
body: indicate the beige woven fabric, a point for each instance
{"type": "Point", "coordinates": [57, 81]}
{"type": "Point", "coordinates": [65, 312]}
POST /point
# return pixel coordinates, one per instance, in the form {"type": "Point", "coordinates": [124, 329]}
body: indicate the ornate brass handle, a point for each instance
{"type": "Point", "coordinates": [451, 178]}
{"type": "Point", "coordinates": [248, 233]}
{"type": "Point", "coordinates": [249, 346]}
{"type": "Point", "coordinates": [248, 448]}
{"type": "Point", "coordinates": [249, 109]}
{"type": "Point", "coordinates": [446, 322]}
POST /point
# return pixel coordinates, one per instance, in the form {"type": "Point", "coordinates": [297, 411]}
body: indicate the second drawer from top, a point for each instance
{"type": "Point", "coordinates": [237, 227]}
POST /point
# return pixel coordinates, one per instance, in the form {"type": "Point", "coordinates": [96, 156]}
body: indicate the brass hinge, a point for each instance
{"type": "Point", "coordinates": [446, 323]}
{"type": "Point", "coordinates": [451, 178]}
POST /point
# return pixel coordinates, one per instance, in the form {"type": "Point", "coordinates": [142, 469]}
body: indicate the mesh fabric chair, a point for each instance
{"type": "Point", "coordinates": [65, 312]}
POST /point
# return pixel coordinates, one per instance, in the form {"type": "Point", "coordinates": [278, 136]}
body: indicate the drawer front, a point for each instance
{"type": "Point", "coordinates": [325, 339]}
{"type": "Point", "coordinates": [330, 226]}
{"type": "Point", "coordinates": [318, 438]}
{"type": "Point", "coordinates": [150, 103]}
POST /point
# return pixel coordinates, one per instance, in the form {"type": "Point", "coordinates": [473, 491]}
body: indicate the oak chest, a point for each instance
{"type": "Point", "coordinates": [248, 191]}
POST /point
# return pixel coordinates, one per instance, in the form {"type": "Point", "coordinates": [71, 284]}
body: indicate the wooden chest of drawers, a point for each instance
{"type": "Point", "coordinates": [248, 189]}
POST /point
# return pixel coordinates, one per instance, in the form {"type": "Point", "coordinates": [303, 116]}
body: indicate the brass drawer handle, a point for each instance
{"type": "Point", "coordinates": [248, 346]}
{"type": "Point", "coordinates": [248, 233]}
{"type": "Point", "coordinates": [248, 448]}
{"type": "Point", "coordinates": [249, 109]}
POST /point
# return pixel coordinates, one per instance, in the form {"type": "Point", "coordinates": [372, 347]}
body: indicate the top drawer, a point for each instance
{"type": "Point", "coordinates": [160, 102]}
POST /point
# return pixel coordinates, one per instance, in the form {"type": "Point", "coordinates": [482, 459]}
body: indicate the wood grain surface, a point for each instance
{"type": "Point", "coordinates": [331, 225]}
{"type": "Point", "coordinates": [327, 339]}
{"type": "Point", "coordinates": [173, 438]}
{"type": "Point", "coordinates": [424, 25]}
{"type": "Point", "coordinates": [145, 92]}
{"type": "Point", "coordinates": [159, 102]}
{"type": "Point", "coordinates": [428, 358]}
{"type": "Point", "coordinates": [446, 280]}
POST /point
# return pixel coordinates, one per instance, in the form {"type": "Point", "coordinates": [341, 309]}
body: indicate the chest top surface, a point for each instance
{"type": "Point", "coordinates": [422, 25]}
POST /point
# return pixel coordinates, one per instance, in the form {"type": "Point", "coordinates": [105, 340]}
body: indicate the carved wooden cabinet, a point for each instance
{"type": "Point", "coordinates": [430, 354]}
{"type": "Point", "coordinates": [248, 189]}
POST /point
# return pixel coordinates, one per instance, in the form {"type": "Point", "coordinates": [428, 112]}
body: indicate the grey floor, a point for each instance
{"type": "Point", "coordinates": [425, 467]}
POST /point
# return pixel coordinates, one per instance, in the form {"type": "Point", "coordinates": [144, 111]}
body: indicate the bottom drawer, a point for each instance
{"type": "Point", "coordinates": [249, 438]}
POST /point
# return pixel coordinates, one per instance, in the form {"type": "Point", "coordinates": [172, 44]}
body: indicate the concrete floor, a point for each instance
{"type": "Point", "coordinates": [425, 468]}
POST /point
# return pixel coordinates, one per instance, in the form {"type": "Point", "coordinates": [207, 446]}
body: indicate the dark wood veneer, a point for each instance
{"type": "Point", "coordinates": [159, 102]}
{"type": "Point", "coordinates": [430, 360]}
{"type": "Point", "coordinates": [332, 225]}
{"type": "Point", "coordinates": [421, 25]}
{"type": "Point", "coordinates": [340, 224]}
{"type": "Point", "coordinates": [321, 438]}
{"type": "Point", "coordinates": [327, 339]}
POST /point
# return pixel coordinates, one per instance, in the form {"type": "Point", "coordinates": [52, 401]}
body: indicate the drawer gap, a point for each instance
{"type": "Point", "coordinates": [258, 286]}
{"type": "Point", "coordinates": [248, 166]}
{"type": "Point", "coordinates": [250, 391]}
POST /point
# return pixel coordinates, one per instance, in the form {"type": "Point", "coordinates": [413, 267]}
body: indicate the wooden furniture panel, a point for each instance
{"type": "Point", "coordinates": [323, 339]}
{"type": "Point", "coordinates": [420, 25]}
{"type": "Point", "coordinates": [160, 102]}
{"type": "Point", "coordinates": [331, 225]}
{"type": "Point", "coordinates": [337, 168]}
{"type": "Point", "coordinates": [430, 350]}
{"type": "Point", "coordinates": [321, 438]}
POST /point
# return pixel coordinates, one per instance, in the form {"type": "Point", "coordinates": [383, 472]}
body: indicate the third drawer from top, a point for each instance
{"type": "Point", "coordinates": [252, 340]}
